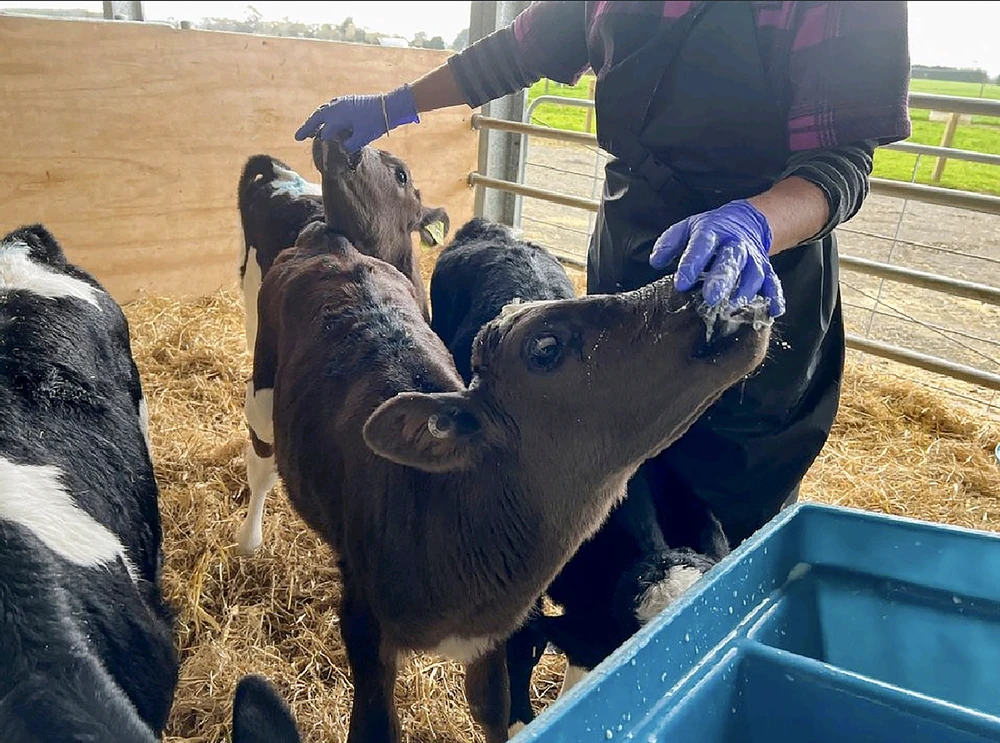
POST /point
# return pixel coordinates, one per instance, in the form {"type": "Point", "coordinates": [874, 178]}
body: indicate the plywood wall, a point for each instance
{"type": "Point", "coordinates": [127, 139]}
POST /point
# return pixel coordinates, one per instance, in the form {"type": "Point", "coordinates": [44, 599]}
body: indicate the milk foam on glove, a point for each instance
{"type": "Point", "coordinates": [728, 247]}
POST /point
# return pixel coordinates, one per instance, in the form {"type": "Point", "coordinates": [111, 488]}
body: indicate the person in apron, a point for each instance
{"type": "Point", "coordinates": [696, 117]}
{"type": "Point", "coordinates": [710, 110]}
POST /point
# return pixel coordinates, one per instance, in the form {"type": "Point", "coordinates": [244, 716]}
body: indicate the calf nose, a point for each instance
{"type": "Point", "coordinates": [329, 156]}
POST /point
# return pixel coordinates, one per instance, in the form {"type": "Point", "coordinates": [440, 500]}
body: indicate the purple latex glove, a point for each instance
{"type": "Point", "coordinates": [730, 246]}
{"type": "Point", "coordinates": [363, 116]}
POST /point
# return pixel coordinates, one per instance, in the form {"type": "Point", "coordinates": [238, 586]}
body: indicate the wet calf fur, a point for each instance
{"type": "Point", "coordinates": [452, 508]}
{"type": "Point", "coordinates": [368, 197]}
{"type": "Point", "coordinates": [483, 269]}
{"type": "Point", "coordinates": [629, 570]}
{"type": "Point", "coordinates": [86, 645]}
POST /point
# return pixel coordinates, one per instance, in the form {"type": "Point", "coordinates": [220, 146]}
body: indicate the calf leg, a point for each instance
{"type": "Point", "coordinates": [373, 669]}
{"type": "Point", "coordinates": [524, 650]}
{"type": "Point", "coordinates": [487, 691]}
{"type": "Point", "coordinates": [261, 477]}
{"type": "Point", "coordinates": [258, 409]}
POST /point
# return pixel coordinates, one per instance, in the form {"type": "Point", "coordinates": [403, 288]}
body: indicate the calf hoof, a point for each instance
{"type": "Point", "coordinates": [248, 539]}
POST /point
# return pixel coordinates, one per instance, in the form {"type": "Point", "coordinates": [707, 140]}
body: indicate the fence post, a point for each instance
{"type": "Point", "coordinates": [123, 10]}
{"type": "Point", "coordinates": [946, 140]}
{"type": "Point", "coordinates": [499, 152]}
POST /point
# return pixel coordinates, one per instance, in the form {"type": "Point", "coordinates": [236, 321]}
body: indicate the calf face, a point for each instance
{"type": "Point", "coordinates": [85, 635]}
{"type": "Point", "coordinates": [586, 387]}
{"type": "Point", "coordinates": [370, 199]}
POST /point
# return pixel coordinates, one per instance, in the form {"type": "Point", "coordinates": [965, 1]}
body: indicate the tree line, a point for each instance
{"type": "Point", "coordinates": [346, 30]}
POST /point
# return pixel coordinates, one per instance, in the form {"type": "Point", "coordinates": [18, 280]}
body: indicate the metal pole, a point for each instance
{"type": "Point", "coordinates": [123, 10]}
{"type": "Point", "coordinates": [923, 361]}
{"type": "Point", "coordinates": [499, 153]}
{"type": "Point", "coordinates": [923, 279]}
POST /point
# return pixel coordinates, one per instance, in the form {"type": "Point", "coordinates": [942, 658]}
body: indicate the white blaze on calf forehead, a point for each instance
{"type": "Point", "coordinates": [34, 497]}
{"type": "Point", "coordinates": [660, 595]}
{"type": "Point", "coordinates": [293, 184]}
{"type": "Point", "coordinates": [19, 272]}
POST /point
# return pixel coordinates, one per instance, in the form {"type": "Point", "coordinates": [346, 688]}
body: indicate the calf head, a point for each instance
{"type": "Point", "coordinates": [369, 196]}
{"type": "Point", "coordinates": [579, 391]}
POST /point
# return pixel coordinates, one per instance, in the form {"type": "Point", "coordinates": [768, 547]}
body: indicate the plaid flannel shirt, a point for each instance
{"type": "Point", "coordinates": [844, 66]}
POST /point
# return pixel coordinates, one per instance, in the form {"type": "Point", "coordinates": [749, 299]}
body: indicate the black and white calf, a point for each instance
{"type": "Point", "coordinates": [484, 268]}
{"type": "Point", "coordinates": [86, 637]}
{"type": "Point", "coordinates": [275, 203]}
{"type": "Point", "coordinates": [652, 546]}
{"type": "Point", "coordinates": [86, 644]}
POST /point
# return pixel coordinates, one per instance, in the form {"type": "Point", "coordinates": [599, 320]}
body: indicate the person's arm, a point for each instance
{"type": "Point", "coordinates": [437, 89]}
{"type": "Point", "coordinates": [547, 39]}
{"type": "Point", "coordinates": [819, 190]}
{"type": "Point", "coordinates": [848, 81]}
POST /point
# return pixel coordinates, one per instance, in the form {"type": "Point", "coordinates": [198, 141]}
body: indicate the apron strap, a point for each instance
{"type": "Point", "coordinates": [638, 77]}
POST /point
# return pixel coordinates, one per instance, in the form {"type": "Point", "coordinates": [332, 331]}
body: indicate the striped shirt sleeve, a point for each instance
{"type": "Point", "coordinates": [547, 39]}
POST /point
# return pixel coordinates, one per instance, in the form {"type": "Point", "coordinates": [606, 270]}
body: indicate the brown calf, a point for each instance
{"type": "Point", "coordinates": [368, 197]}
{"type": "Point", "coordinates": [452, 508]}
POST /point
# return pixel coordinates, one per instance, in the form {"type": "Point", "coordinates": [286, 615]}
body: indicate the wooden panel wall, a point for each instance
{"type": "Point", "coordinates": [127, 139]}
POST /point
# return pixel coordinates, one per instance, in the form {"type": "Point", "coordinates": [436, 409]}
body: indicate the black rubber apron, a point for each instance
{"type": "Point", "coordinates": [693, 122]}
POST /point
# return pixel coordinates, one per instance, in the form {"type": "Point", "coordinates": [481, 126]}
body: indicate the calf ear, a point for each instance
{"type": "Point", "coordinates": [432, 432]}
{"type": "Point", "coordinates": [434, 225]}
{"type": "Point", "coordinates": [260, 715]}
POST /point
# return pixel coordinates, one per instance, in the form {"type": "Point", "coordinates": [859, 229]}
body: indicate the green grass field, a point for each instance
{"type": "Point", "coordinates": [982, 135]}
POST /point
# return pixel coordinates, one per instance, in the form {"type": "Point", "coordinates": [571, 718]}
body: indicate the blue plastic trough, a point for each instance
{"type": "Point", "coordinates": [830, 625]}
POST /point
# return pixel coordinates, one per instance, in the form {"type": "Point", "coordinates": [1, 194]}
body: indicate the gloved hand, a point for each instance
{"type": "Point", "coordinates": [365, 117]}
{"type": "Point", "coordinates": [731, 245]}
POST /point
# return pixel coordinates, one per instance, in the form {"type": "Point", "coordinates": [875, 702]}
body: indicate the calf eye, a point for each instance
{"type": "Point", "coordinates": [544, 352]}
{"type": "Point", "coordinates": [401, 176]}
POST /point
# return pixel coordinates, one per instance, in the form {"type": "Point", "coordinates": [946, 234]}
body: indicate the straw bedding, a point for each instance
{"type": "Point", "coordinates": [896, 448]}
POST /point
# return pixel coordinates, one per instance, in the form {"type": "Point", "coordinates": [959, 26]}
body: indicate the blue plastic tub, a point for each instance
{"type": "Point", "coordinates": [830, 625]}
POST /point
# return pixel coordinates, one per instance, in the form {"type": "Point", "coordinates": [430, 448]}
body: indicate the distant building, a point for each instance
{"type": "Point", "coordinates": [395, 41]}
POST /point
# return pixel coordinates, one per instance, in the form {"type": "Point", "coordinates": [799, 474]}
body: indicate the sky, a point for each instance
{"type": "Point", "coordinates": [958, 34]}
